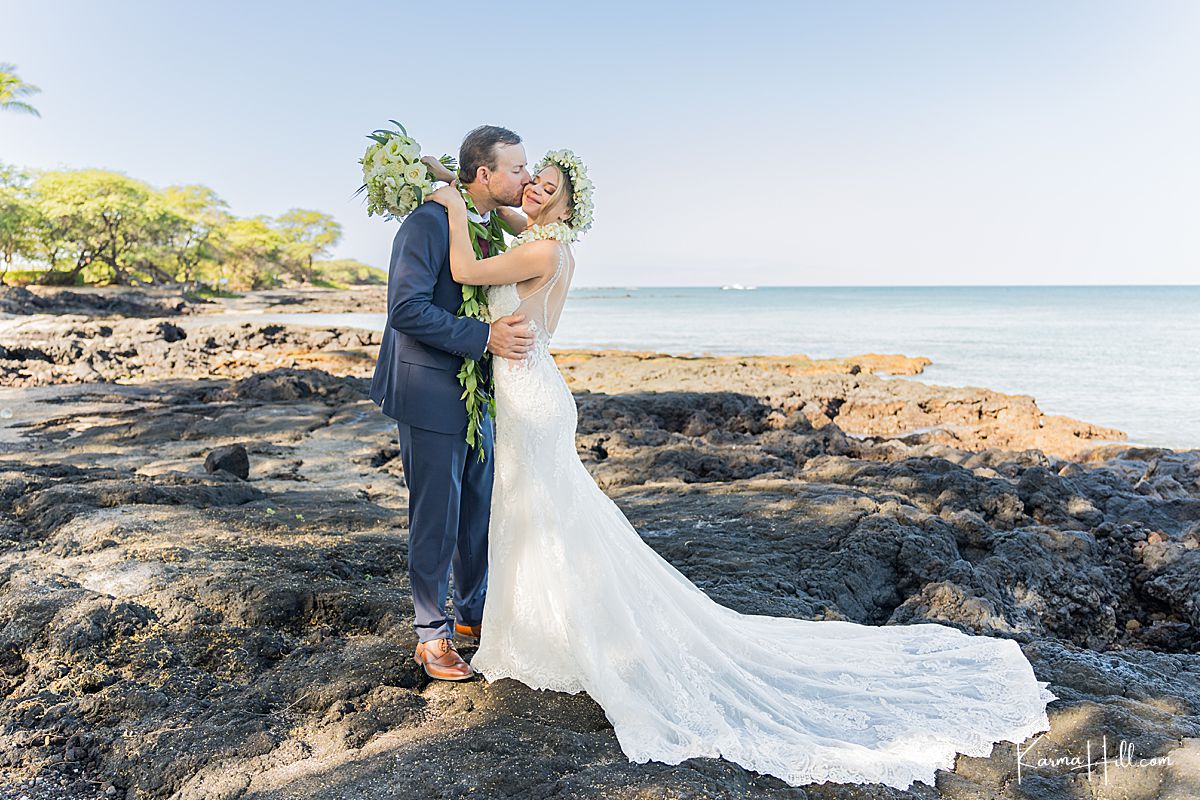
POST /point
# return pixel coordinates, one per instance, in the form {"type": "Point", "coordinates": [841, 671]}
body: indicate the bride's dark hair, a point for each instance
{"type": "Point", "coordinates": [479, 150]}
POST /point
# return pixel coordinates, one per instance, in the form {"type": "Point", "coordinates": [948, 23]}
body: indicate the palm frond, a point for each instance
{"type": "Point", "coordinates": [16, 105]}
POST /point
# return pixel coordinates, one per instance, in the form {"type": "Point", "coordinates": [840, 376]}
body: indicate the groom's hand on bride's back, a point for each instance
{"type": "Point", "coordinates": [510, 337]}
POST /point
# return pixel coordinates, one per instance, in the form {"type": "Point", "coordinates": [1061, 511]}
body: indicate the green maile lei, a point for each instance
{"type": "Point", "coordinates": [477, 393]}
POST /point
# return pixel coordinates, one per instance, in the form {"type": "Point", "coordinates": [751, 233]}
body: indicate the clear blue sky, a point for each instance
{"type": "Point", "coordinates": [760, 143]}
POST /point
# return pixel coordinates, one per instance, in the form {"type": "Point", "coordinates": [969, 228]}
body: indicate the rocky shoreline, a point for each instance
{"type": "Point", "coordinates": [170, 632]}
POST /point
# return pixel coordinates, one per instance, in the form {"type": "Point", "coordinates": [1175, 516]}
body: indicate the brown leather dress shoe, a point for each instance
{"type": "Point", "coordinates": [468, 631]}
{"type": "Point", "coordinates": [442, 661]}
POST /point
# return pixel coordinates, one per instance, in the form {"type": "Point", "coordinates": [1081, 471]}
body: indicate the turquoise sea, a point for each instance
{"type": "Point", "coordinates": [1121, 356]}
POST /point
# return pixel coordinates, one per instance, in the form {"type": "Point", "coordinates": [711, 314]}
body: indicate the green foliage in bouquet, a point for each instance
{"type": "Point", "coordinates": [394, 178]}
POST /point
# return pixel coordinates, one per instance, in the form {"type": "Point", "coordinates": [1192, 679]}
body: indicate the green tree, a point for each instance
{"type": "Point", "coordinates": [308, 235]}
{"type": "Point", "coordinates": [18, 218]}
{"type": "Point", "coordinates": [102, 219]}
{"type": "Point", "coordinates": [194, 216]}
{"type": "Point", "coordinates": [343, 272]}
{"type": "Point", "coordinates": [251, 253]}
{"type": "Point", "coordinates": [94, 226]}
{"type": "Point", "coordinates": [12, 89]}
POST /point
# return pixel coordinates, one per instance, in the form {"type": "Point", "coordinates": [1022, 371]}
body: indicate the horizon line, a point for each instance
{"type": "Point", "coordinates": [903, 286]}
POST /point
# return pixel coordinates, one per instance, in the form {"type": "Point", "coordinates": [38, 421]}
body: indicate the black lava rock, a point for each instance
{"type": "Point", "coordinates": [232, 458]}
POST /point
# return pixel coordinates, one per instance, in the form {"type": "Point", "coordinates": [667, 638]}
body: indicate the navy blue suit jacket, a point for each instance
{"type": "Point", "coordinates": [424, 343]}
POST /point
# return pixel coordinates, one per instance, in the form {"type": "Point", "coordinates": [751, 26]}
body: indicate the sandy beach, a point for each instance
{"type": "Point", "coordinates": [171, 630]}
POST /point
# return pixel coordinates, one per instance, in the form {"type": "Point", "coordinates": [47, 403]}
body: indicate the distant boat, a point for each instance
{"type": "Point", "coordinates": [738, 287]}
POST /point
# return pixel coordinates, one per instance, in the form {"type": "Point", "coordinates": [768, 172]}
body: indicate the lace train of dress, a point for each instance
{"type": "Point", "coordinates": [577, 601]}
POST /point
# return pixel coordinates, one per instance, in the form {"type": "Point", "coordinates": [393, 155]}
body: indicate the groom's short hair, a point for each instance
{"type": "Point", "coordinates": [479, 150]}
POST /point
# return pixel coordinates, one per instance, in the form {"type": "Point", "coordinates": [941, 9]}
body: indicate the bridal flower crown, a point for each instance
{"type": "Point", "coordinates": [581, 188]}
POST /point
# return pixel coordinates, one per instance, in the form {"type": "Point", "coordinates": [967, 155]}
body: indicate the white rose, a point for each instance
{"type": "Point", "coordinates": [411, 151]}
{"type": "Point", "coordinates": [416, 174]}
{"type": "Point", "coordinates": [393, 152]}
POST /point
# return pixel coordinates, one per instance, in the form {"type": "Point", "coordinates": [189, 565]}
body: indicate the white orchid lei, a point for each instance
{"type": "Point", "coordinates": [581, 192]}
{"type": "Point", "coordinates": [552, 230]}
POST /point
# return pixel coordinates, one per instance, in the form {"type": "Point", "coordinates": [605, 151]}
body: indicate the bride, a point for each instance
{"type": "Point", "coordinates": [577, 601]}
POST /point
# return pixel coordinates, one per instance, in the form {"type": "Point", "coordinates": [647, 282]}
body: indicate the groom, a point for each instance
{"type": "Point", "coordinates": [416, 384]}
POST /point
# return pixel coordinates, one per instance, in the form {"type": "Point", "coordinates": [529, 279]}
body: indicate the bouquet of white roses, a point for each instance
{"type": "Point", "coordinates": [394, 178]}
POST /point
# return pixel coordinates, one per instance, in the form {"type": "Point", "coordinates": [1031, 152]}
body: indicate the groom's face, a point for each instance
{"type": "Point", "coordinates": [508, 180]}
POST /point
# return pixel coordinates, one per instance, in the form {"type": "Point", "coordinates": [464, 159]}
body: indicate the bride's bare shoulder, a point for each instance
{"type": "Point", "coordinates": [544, 252]}
{"type": "Point", "coordinates": [542, 248]}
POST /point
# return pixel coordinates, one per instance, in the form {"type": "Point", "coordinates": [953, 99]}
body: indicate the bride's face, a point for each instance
{"type": "Point", "coordinates": [538, 193]}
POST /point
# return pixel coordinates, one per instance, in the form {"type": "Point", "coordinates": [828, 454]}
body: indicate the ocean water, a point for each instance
{"type": "Point", "coordinates": [1127, 357]}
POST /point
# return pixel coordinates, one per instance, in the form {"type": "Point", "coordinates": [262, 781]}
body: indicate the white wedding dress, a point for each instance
{"type": "Point", "coordinates": [577, 601]}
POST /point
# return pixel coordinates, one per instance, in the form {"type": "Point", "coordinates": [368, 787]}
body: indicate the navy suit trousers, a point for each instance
{"type": "Point", "coordinates": [449, 506]}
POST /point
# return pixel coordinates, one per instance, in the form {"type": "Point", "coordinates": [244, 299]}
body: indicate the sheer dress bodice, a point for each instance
{"type": "Point", "coordinates": [542, 307]}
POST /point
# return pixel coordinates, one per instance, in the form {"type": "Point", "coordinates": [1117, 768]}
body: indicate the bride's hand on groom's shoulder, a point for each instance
{"type": "Point", "coordinates": [437, 169]}
{"type": "Point", "coordinates": [447, 196]}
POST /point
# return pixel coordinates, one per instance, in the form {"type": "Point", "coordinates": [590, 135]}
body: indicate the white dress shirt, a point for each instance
{"type": "Point", "coordinates": [482, 219]}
